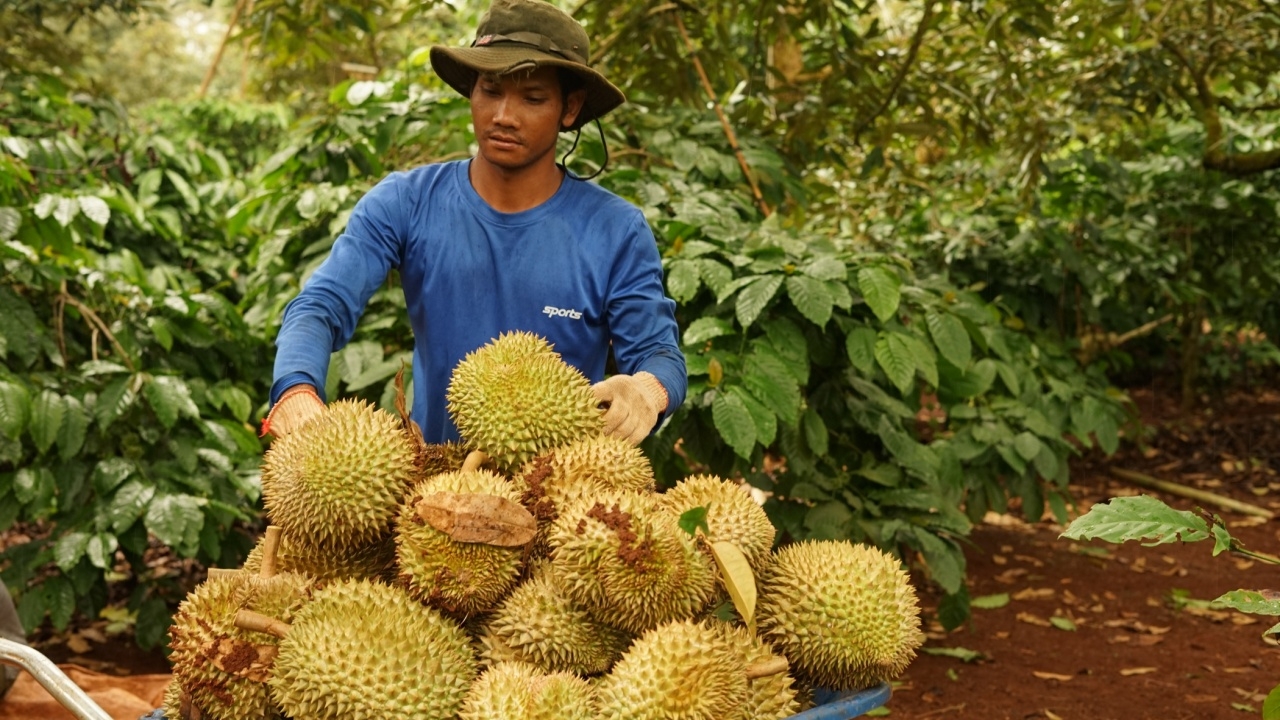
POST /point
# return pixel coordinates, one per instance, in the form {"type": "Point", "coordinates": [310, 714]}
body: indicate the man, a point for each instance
{"type": "Point", "coordinates": [508, 240]}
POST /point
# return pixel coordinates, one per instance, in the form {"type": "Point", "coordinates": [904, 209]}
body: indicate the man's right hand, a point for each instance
{"type": "Point", "coordinates": [298, 405]}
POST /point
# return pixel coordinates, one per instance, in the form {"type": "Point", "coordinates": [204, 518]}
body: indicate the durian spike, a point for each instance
{"type": "Point", "coordinates": [474, 460]}
{"type": "Point", "coordinates": [773, 666]}
{"type": "Point", "coordinates": [257, 622]}
{"type": "Point", "coordinates": [270, 548]}
{"type": "Point", "coordinates": [222, 572]}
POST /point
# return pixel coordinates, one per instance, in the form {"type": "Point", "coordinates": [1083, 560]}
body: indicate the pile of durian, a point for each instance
{"type": "Point", "coordinates": [530, 572]}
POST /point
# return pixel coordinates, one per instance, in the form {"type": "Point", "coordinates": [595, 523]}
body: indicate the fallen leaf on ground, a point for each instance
{"type": "Point", "coordinates": [1244, 708]}
{"type": "Point", "coordinates": [1034, 594]}
{"type": "Point", "coordinates": [990, 602]}
{"type": "Point", "coordinates": [1033, 619]}
{"type": "Point", "coordinates": [1062, 623]}
{"type": "Point", "coordinates": [1051, 715]}
{"type": "Point", "coordinates": [1238, 670]}
{"type": "Point", "coordinates": [1239, 619]}
{"type": "Point", "coordinates": [1138, 671]}
{"type": "Point", "coordinates": [1149, 640]}
{"type": "Point", "coordinates": [78, 645]}
{"type": "Point", "coordinates": [999, 559]}
{"type": "Point", "coordinates": [1118, 639]}
{"type": "Point", "coordinates": [1010, 576]}
{"type": "Point", "coordinates": [1051, 676]}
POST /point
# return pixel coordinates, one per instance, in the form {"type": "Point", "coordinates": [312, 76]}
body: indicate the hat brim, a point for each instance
{"type": "Point", "coordinates": [458, 67]}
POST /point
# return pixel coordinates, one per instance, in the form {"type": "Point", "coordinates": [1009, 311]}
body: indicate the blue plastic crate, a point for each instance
{"type": "Point", "coordinates": [829, 705]}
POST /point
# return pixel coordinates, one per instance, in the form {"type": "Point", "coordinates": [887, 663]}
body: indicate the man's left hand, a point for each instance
{"type": "Point", "coordinates": [632, 404]}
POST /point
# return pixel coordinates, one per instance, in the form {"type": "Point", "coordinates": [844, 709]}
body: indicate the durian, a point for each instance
{"type": "Point", "coordinates": [336, 482]}
{"type": "Point", "coordinates": [463, 578]}
{"type": "Point", "coordinates": [677, 671]}
{"type": "Point", "coordinates": [366, 651]}
{"type": "Point", "coordinates": [519, 691]}
{"type": "Point", "coordinates": [540, 625]}
{"type": "Point", "coordinates": [564, 475]}
{"type": "Point", "coordinates": [375, 561]}
{"type": "Point", "coordinates": [630, 564]}
{"type": "Point", "coordinates": [222, 667]}
{"type": "Point", "coordinates": [732, 515]}
{"type": "Point", "coordinates": [769, 697]}
{"type": "Point", "coordinates": [516, 398]}
{"type": "Point", "coordinates": [845, 615]}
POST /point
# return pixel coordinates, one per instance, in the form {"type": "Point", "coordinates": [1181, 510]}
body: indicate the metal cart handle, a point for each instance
{"type": "Point", "coordinates": [52, 679]}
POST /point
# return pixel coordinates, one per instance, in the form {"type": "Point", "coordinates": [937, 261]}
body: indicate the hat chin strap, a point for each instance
{"type": "Point", "coordinates": [577, 135]}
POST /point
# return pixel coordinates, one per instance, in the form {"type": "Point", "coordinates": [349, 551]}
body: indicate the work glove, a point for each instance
{"type": "Point", "coordinates": [295, 407]}
{"type": "Point", "coordinates": [632, 404]}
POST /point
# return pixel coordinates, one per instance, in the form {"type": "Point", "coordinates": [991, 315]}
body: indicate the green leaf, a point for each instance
{"type": "Point", "coordinates": [768, 378]}
{"type": "Point", "coordinates": [109, 473]}
{"type": "Point", "coordinates": [754, 297]}
{"type": "Point", "coordinates": [815, 432]}
{"type": "Point", "coordinates": [75, 425]}
{"type": "Point", "coordinates": [10, 222]}
{"type": "Point", "coordinates": [861, 346]}
{"type": "Point", "coordinates": [1062, 623]}
{"type": "Point", "coordinates": [706, 328]}
{"type": "Point", "coordinates": [683, 281]}
{"type": "Point", "coordinates": [101, 550]}
{"type": "Point", "coordinates": [1137, 518]}
{"type": "Point", "coordinates": [894, 355]}
{"type": "Point", "coordinates": [1027, 445]}
{"type": "Point", "coordinates": [945, 561]}
{"type": "Point", "coordinates": [826, 268]}
{"type": "Point", "coordinates": [811, 298]}
{"type": "Point", "coordinates": [170, 398]}
{"type": "Point", "coordinates": [959, 653]}
{"type": "Point", "coordinates": [1222, 539]}
{"type": "Point", "coordinates": [918, 458]}
{"type": "Point", "coordinates": [62, 601]}
{"type": "Point", "coordinates": [951, 338]}
{"type": "Point", "coordinates": [162, 330]}
{"type": "Point", "coordinates": [1253, 602]}
{"type": "Point", "coordinates": [69, 549]}
{"type": "Point", "coordinates": [953, 610]}
{"type": "Point", "coordinates": [716, 275]}
{"type": "Point", "coordinates": [1010, 378]}
{"type": "Point", "coordinates": [176, 521]}
{"type": "Point", "coordinates": [95, 208]}
{"type": "Point", "coordinates": [882, 289]}
{"type": "Point", "coordinates": [734, 423]}
{"type": "Point", "coordinates": [972, 383]}
{"type": "Point", "coordinates": [184, 189]}
{"type": "Point", "coordinates": [47, 413]}
{"type": "Point", "coordinates": [30, 483]}
{"type": "Point", "coordinates": [693, 519]}
{"type": "Point", "coordinates": [15, 408]}
{"type": "Point", "coordinates": [1271, 706]}
{"type": "Point", "coordinates": [765, 420]}
{"type": "Point", "coordinates": [114, 400]}
{"type": "Point", "coordinates": [922, 355]}
{"type": "Point", "coordinates": [128, 504]}
{"type": "Point", "coordinates": [990, 602]}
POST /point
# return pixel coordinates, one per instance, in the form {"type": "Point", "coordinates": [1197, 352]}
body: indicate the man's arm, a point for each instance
{"type": "Point", "coordinates": [645, 339]}
{"type": "Point", "coordinates": [324, 315]}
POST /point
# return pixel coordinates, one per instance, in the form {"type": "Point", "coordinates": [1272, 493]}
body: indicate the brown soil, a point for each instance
{"type": "Point", "coordinates": [1133, 654]}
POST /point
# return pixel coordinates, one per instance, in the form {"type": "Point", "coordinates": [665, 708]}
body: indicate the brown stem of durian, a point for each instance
{"type": "Point", "coordinates": [474, 460]}
{"type": "Point", "coordinates": [270, 548]}
{"type": "Point", "coordinates": [772, 666]}
{"type": "Point", "coordinates": [250, 620]}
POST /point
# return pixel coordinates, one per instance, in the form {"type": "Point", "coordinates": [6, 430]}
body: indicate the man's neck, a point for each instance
{"type": "Point", "coordinates": [512, 191]}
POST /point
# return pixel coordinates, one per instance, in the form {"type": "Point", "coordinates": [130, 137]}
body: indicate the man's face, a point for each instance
{"type": "Point", "coordinates": [518, 117]}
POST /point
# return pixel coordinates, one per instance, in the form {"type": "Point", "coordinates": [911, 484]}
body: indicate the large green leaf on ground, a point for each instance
{"type": "Point", "coordinates": [1256, 602]}
{"type": "Point", "coordinates": [1137, 518]}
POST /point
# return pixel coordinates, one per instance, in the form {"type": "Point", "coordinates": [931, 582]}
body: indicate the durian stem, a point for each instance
{"type": "Point", "coordinates": [773, 666]}
{"type": "Point", "coordinates": [222, 572]}
{"type": "Point", "coordinates": [474, 460]}
{"type": "Point", "coordinates": [270, 547]}
{"type": "Point", "coordinates": [250, 620]}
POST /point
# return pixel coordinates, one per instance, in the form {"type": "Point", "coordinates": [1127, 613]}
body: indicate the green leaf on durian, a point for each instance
{"type": "Point", "coordinates": [739, 580]}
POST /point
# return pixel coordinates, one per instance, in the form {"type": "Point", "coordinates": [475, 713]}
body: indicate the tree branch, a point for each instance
{"type": "Point", "coordinates": [896, 85]}
{"type": "Point", "coordinates": [1215, 155]}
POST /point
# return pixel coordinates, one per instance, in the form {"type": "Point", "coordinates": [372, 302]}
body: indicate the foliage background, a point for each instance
{"type": "Point", "coordinates": [974, 223]}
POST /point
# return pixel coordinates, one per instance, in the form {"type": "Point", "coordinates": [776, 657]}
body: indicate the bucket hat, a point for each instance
{"type": "Point", "coordinates": [516, 35]}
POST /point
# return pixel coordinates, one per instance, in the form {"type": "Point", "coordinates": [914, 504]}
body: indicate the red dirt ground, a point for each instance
{"type": "Point", "coordinates": [1133, 655]}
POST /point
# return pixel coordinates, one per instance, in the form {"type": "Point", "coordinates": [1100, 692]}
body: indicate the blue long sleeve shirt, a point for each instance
{"type": "Point", "coordinates": [581, 270]}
